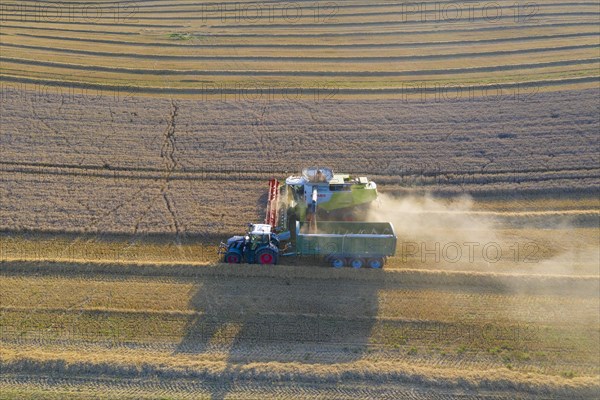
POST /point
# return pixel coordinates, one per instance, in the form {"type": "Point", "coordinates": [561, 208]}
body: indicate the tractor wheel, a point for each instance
{"type": "Point", "coordinates": [231, 257]}
{"type": "Point", "coordinates": [337, 262]}
{"type": "Point", "coordinates": [266, 256]}
{"type": "Point", "coordinates": [375, 263]}
{"type": "Point", "coordinates": [357, 263]}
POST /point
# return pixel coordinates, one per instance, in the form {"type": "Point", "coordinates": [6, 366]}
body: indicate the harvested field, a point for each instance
{"type": "Point", "coordinates": [348, 49]}
{"type": "Point", "coordinates": [135, 136]}
{"type": "Point", "coordinates": [107, 165]}
{"type": "Point", "coordinates": [257, 327]}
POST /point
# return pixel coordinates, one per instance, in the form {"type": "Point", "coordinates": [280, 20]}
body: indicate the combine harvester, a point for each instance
{"type": "Point", "coordinates": [316, 214]}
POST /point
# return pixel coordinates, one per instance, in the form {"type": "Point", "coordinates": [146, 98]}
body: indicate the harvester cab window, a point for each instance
{"type": "Point", "coordinates": [339, 188]}
{"type": "Point", "coordinates": [317, 174]}
{"type": "Point", "coordinates": [320, 176]}
{"type": "Point", "coordinates": [298, 192]}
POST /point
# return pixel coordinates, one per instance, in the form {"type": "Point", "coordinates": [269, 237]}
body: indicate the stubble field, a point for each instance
{"type": "Point", "coordinates": [134, 138]}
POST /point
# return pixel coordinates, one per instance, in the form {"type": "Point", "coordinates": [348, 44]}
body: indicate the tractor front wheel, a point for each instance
{"type": "Point", "coordinates": [232, 258]}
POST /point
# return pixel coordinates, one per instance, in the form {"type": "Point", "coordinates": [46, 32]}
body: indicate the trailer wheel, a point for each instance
{"type": "Point", "coordinates": [266, 256]}
{"type": "Point", "coordinates": [357, 263]}
{"type": "Point", "coordinates": [232, 258]}
{"type": "Point", "coordinates": [375, 263]}
{"type": "Point", "coordinates": [337, 262]}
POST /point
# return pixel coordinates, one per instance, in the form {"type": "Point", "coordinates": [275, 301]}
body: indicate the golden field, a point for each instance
{"type": "Point", "coordinates": [135, 136]}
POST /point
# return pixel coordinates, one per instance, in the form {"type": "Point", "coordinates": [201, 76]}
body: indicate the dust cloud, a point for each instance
{"type": "Point", "coordinates": [433, 220]}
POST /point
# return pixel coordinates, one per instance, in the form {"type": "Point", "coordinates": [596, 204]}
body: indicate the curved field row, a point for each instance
{"type": "Point", "coordinates": [435, 55]}
{"type": "Point", "coordinates": [317, 35]}
{"type": "Point", "coordinates": [586, 16]}
{"type": "Point", "coordinates": [142, 6]}
{"type": "Point", "coordinates": [310, 90]}
{"type": "Point", "coordinates": [253, 12]}
{"type": "Point", "coordinates": [285, 18]}
{"type": "Point", "coordinates": [213, 73]}
{"type": "Point", "coordinates": [324, 28]}
{"type": "Point", "coordinates": [357, 45]}
{"type": "Point", "coordinates": [563, 55]}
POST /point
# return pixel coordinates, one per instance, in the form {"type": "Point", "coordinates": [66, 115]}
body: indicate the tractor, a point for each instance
{"type": "Point", "coordinates": [258, 246]}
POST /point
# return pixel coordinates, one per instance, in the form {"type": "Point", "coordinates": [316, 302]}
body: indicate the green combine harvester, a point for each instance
{"type": "Point", "coordinates": [316, 214]}
{"type": "Point", "coordinates": [319, 194]}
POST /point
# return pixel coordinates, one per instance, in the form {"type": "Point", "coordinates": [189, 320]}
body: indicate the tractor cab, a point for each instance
{"type": "Point", "coordinates": [258, 234]}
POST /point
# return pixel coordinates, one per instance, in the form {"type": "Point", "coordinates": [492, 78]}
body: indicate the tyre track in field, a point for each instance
{"type": "Point", "coordinates": [91, 23]}
{"type": "Point", "coordinates": [162, 3]}
{"type": "Point", "coordinates": [55, 131]}
{"type": "Point", "coordinates": [202, 6]}
{"type": "Point", "coordinates": [269, 73]}
{"type": "Point", "coordinates": [360, 374]}
{"type": "Point", "coordinates": [366, 59]}
{"type": "Point", "coordinates": [192, 389]}
{"type": "Point", "coordinates": [310, 46]}
{"type": "Point", "coordinates": [331, 34]}
{"type": "Point", "coordinates": [392, 23]}
{"type": "Point", "coordinates": [190, 174]}
{"type": "Point", "coordinates": [167, 153]}
{"type": "Point", "coordinates": [329, 11]}
{"type": "Point", "coordinates": [308, 93]}
{"type": "Point", "coordinates": [311, 273]}
{"type": "Point", "coordinates": [417, 19]}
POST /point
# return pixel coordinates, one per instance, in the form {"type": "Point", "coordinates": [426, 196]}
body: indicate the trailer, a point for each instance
{"type": "Point", "coordinates": [354, 244]}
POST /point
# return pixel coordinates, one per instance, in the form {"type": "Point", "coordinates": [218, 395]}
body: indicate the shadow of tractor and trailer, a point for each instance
{"type": "Point", "coordinates": [281, 319]}
{"type": "Point", "coordinates": [244, 320]}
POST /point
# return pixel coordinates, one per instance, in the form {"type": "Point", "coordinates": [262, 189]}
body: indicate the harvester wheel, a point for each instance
{"type": "Point", "coordinates": [337, 262]}
{"type": "Point", "coordinates": [232, 257]}
{"type": "Point", "coordinates": [357, 263]}
{"type": "Point", "coordinates": [375, 263]}
{"type": "Point", "coordinates": [266, 256]}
